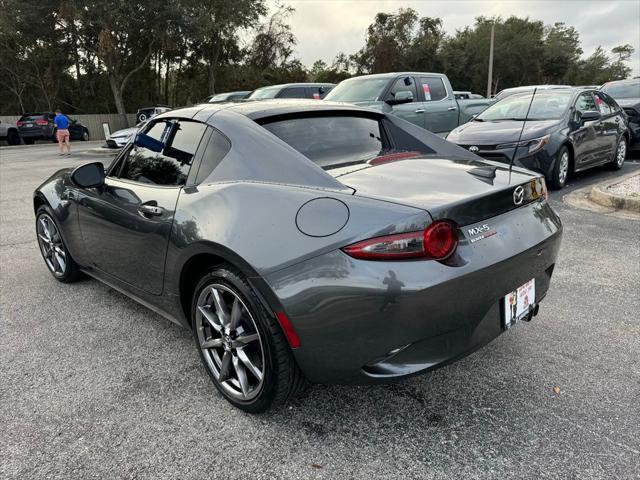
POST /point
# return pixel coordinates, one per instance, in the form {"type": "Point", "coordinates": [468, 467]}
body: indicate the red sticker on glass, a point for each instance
{"type": "Point", "coordinates": [316, 96]}
{"type": "Point", "coordinates": [427, 91]}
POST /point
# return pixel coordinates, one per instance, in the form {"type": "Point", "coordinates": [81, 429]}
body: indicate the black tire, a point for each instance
{"type": "Point", "coordinates": [561, 169]}
{"type": "Point", "coordinates": [29, 141]}
{"type": "Point", "coordinates": [70, 272]}
{"type": "Point", "coordinates": [85, 136]}
{"type": "Point", "coordinates": [13, 138]}
{"type": "Point", "coordinates": [620, 154]}
{"type": "Point", "coordinates": [281, 377]}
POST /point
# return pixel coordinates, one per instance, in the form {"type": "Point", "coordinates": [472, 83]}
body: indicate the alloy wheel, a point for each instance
{"type": "Point", "coordinates": [51, 245]}
{"type": "Point", "coordinates": [621, 153]}
{"type": "Point", "coordinates": [563, 170]}
{"type": "Point", "coordinates": [230, 341]}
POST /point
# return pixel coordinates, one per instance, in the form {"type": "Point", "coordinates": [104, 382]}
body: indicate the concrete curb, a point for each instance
{"type": "Point", "coordinates": [599, 194]}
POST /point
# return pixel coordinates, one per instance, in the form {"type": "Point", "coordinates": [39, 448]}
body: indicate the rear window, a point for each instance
{"type": "Point", "coordinates": [32, 117]}
{"type": "Point", "coordinates": [266, 92]}
{"type": "Point", "coordinates": [293, 92]}
{"type": "Point", "coordinates": [623, 90]}
{"type": "Point", "coordinates": [331, 141]}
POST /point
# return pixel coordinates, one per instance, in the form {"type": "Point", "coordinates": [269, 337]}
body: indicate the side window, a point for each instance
{"type": "Point", "coordinates": [612, 103]}
{"type": "Point", "coordinates": [433, 89]}
{"type": "Point", "coordinates": [314, 92]}
{"type": "Point", "coordinates": [293, 92]}
{"type": "Point", "coordinates": [170, 167]}
{"type": "Point", "coordinates": [217, 148]}
{"type": "Point", "coordinates": [584, 103]}
{"type": "Point", "coordinates": [603, 106]}
{"type": "Point", "coordinates": [403, 84]}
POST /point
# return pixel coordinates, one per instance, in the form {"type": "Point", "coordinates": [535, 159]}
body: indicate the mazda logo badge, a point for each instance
{"type": "Point", "coordinates": [518, 195]}
{"type": "Point", "coordinates": [473, 149]}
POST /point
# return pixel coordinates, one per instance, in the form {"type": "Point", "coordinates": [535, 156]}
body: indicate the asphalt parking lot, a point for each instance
{"type": "Point", "coordinates": [92, 385]}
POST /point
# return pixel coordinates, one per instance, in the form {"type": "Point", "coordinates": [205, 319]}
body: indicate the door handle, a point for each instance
{"type": "Point", "coordinates": [420, 110]}
{"type": "Point", "coordinates": [150, 210]}
{"type": "Point", "coordinates": [451, 109]}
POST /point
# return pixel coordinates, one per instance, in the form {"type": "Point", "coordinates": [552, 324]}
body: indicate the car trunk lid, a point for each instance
{"type": "Point", "coordinates": [466, 191]}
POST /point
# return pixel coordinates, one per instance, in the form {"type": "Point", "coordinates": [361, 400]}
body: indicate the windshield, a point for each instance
{"type": "Point", "coordinates": [331, 141]}
{"type": "Point", "coordinates": [546, 106]}
{"type": "Point", "coordinates": [221, 97]}
{"type": "Point", "coordinates": [268, 92]}
{"type": "Point", "coordinates": [623, 90]}
{"type": "Point", "coordinates": [358, 90]}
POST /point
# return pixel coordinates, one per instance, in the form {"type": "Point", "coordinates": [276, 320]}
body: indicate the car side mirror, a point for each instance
{"type": "Point", "coordinates": [89, 175]}
{"type": "Point", "coordinates": [589, 116]}
{"type": "Point", "coordinates": [145, 141]}
{"type": "Point", "coordinates": [403, 96]}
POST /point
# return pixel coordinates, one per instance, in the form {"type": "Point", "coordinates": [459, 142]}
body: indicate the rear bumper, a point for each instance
{"type": "Point", "coordinates": [367, 322]}
{"type": "Point", "coordinates": [117, 142]}
{"type": "Point", "coordinates": [36, 132]}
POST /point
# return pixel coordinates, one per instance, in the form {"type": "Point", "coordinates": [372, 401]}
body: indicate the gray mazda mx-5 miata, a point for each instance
{"type": "Point", "coordinates": [306, 241]}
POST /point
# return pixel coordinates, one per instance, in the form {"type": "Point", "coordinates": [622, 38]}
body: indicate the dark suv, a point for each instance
{"type": "Point", "coordinates": [293, 90]}
{"type": "Point", "coordinates": [40, 126]}
{"type": "Point", "coordinates": [627, 94]}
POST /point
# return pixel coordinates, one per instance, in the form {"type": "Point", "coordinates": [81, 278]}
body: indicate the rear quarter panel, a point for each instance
{"type": "Point", "coordinates": [257, 222]}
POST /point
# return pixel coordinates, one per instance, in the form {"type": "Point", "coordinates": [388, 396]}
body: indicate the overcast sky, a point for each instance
{"type": "Point", "coordinates": [326, 27]}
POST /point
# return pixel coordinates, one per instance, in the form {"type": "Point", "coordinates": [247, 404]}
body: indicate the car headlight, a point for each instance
{"type": "Point", "coordinates": [534, 144]}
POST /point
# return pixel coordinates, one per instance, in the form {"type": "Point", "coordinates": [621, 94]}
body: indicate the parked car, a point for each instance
{"type": "Point", "coordinates": [566, 130]}
{"type": "Point", "coordinates": [40, 126]}
{"type": "Point", "coordinates": [459, 95]}
{"type": "Point", "coordinates": [424, 99]}
{"type": "Point", "coordinates": [228, 96]}
{"type": "Point", "coordinates": [146, 113]}
{"type": "Point", "coordinates": [526, 88]}
{"type": "Point", "coordinates": [9, 133]}
{"type": "Point", "coordinates": [316, 91]}
{"type": "Point", "coordinates": [357, 250]}
{"type": "Point", "coordinates": [626, 93]}
{"type": "Point", "coordinates": [120, 138]}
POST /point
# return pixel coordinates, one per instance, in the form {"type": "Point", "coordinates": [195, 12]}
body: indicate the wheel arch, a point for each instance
{"type": "Point", "coordinates": [572, 155]}
{"type": "Point", "coordinates": [39, 200]}
{"type": "Point", "coordinates": [204, 256]}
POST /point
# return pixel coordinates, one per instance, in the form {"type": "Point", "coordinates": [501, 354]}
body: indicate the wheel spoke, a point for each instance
{"type": "Point", "coordinates": [61, 262]}
{"type": "Point", "coordinates": [221, 306]}
{"type": "Point", "coordinates": [45, 228]}
{"type": "Point", "coordinates": [225, 367]}
{"type": "Point", "coordinates": [244, 358]}
{"type": "Point", "coordinates": [236, 313]}
{"type": "Point", "coordinates": [243, 340]}
{"type": "Point", "coordinates": [210, 317]}
{"type": "Point", "coordinates": [212, 343]}
{"type": "Point", "coordinates": [43, 237]}
{"type": "Point", "coordinates": [241, 373]}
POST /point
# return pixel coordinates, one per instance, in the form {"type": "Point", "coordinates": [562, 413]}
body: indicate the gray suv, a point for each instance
{"type": "Point", "coordinates": [9, 132]}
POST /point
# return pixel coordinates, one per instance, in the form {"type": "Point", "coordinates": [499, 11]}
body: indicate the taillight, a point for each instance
{"type": "Point", "coordinates": [19, 124]}
{"type": "Point", "coordinates": [42, 122]}
{"type": "Point", "coordinates": [437, 242]}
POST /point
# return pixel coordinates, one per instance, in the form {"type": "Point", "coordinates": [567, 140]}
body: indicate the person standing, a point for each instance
{"type": "Point", "coordinates": [62, 125]}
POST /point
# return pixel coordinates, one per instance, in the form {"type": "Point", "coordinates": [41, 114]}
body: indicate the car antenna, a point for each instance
{"type": "Point", "coordinates": [515, 150]}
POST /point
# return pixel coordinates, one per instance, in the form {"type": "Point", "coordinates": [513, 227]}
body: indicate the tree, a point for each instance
{"type": "Point", "coordinates": [619, 70]}
{"type": "Point", "coordinates": [388, 43]}
{"type": "Point", "coordinates": [215, 26]}
{"type": "Point", "coordinates": [561, 50]}
{"type": "Point", "coordinates": [124, 34]}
